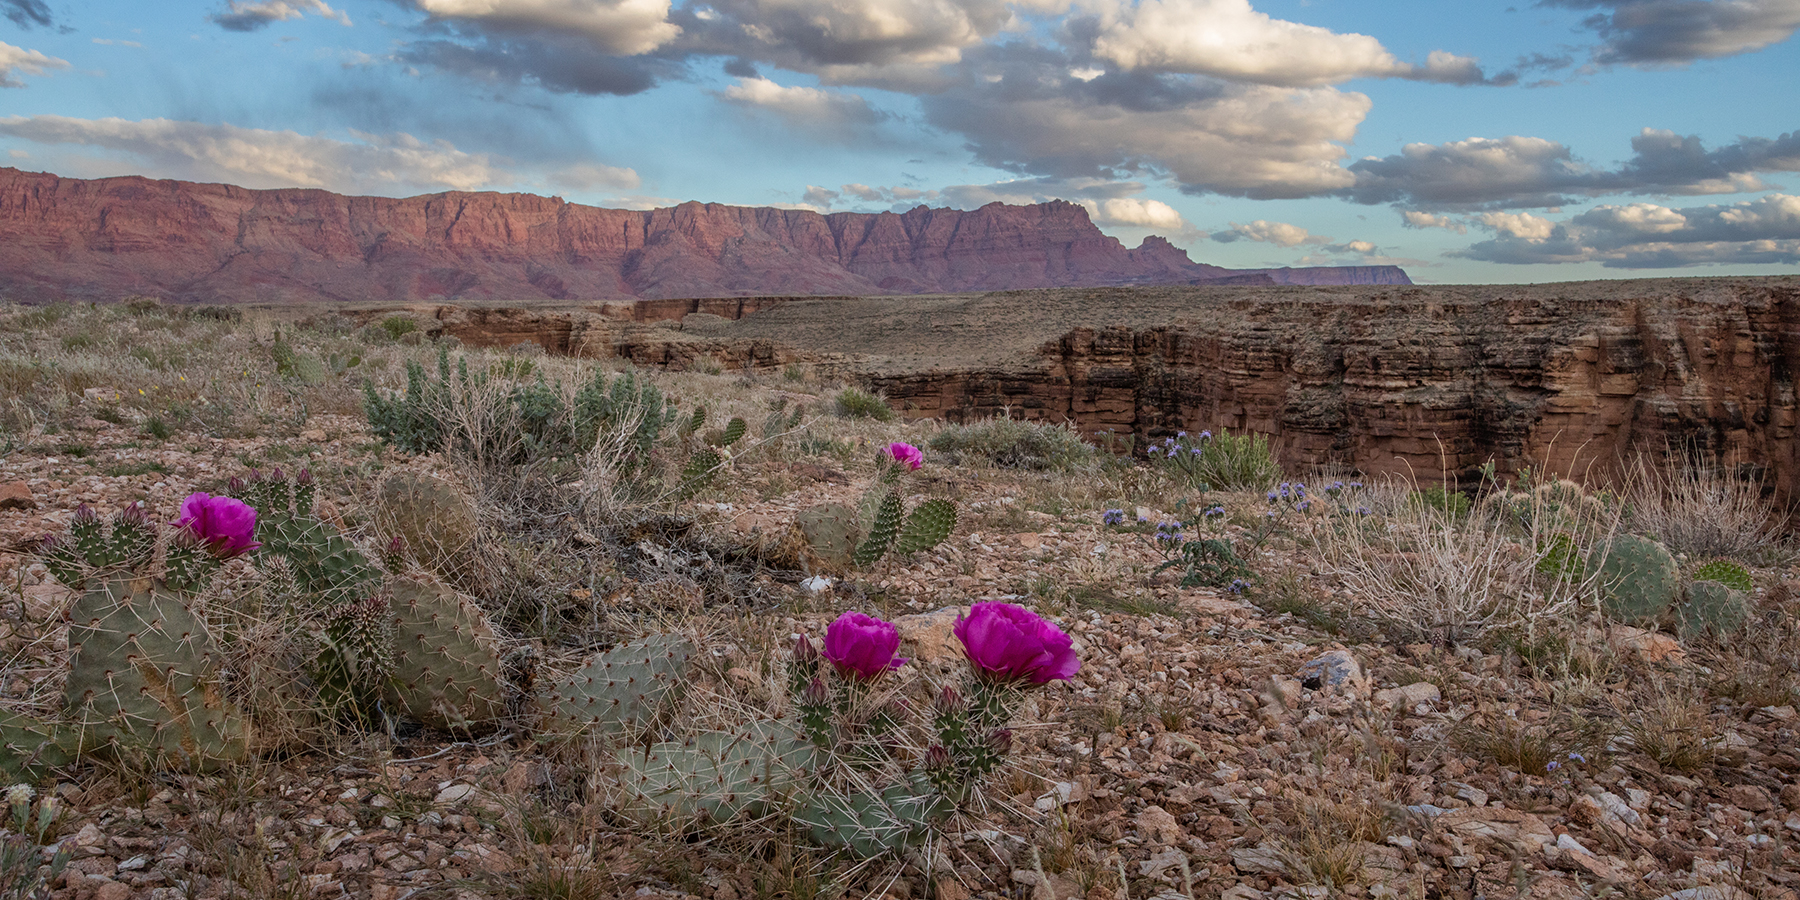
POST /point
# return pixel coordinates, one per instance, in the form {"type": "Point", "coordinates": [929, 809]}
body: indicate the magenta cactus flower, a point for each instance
{"type": "Point", "coordinates": [1010, 643]}
{"type": "Point", "coordinates": [862, 647]}
{"type": "Point", "coordinates": [225, 525]}
{"type": "Point", "coordinates": [906, 455]}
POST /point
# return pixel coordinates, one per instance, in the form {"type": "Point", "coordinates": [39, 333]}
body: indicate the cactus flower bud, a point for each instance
{"type": "Point", "coordinates": [235, 485]}
{"type": "Point", "coordinates": [815, 694]}
{"type": "Point", "coordinates": [304, 478]}
{"type": "Point", "coordinates": [255, 475]}
{"type": "Point", "coordinates": [804, 651]}
{"type": "Point", "coordinates": [277, 475]}
{"type": "Point", "coordinates": [84, 515]}
{"type": "Point", "coordinates": [1000, 740]}
{"type": "Point", "coordinates": [948, 702]}
{"type": "Point", "coordinates": [395, 545]}
{"type": "Point", "coordinates": [937, 758]}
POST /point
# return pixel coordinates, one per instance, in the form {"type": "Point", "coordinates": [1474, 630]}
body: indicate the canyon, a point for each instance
{"type": "Point", "coordinates": [111, 238]}
{"type": "Point", "coordinates": [1431, 382]}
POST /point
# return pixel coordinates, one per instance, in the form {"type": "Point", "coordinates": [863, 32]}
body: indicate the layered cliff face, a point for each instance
{"type": "Point", "coordinates": [112, 237]}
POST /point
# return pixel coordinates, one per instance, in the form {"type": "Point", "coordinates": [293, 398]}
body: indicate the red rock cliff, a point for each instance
{"type": "Point", "coordinates": [112, 237]}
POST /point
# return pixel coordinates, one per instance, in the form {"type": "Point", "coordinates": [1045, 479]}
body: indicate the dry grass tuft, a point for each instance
{"type": "Point", "coordinates": [1703, 511]}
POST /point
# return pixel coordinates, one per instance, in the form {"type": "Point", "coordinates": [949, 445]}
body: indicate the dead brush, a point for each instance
{"type": "Point", "coordinates": [1703, 511]}
{"type": "Point", "coordinates": [1667, 722]}
{"type": "Point", "coordinates": [1325, 843]}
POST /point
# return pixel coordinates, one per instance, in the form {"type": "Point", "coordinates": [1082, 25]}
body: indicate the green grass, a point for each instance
{"type": "Point", "coordinates": [856, 403]}
{"type": "Point", "coordinates": [1014, 444]}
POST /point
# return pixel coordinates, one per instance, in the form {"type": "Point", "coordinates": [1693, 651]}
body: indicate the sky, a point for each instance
{"type": "Point", "coordinates": [1466, 141]}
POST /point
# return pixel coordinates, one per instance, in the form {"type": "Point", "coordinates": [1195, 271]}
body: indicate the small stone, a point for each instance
{"type": "Point", "coordinates": [454, 793]}
{"type": "Point", "coordinates": [817, 584]}
{"type": "Point", "coordinates": [16, 495]}
{"type": "Point", "coordinates": [1242, 892]}
{"type": "Point", "coordinates": [1158, 826]}
{"type": "Point", "coordinates": [1169, 858]}
{"type": "Point", "coordinates": [1649, 646]}
{"type": "Point", "coordinates": [1336, 670]}
{"type": "Point", "coordinates": [1616, 807]}
{"type": "Point", "coordinates": [1586, 811]}
{"type": "Point", "coordinates": [1790, 795]}
{"type": "Point", "coordinates": [1750, 798]}
{"type": "Point", "coordinates": [930, 636]}
{"type": "Point", "coordinates": [113, 890]}
{"type": "Point", "coordinates": [1409, 697]}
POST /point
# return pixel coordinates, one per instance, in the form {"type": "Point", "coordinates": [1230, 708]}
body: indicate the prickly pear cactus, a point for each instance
{"type": "Point", "coordinates": [620, 689]}
{"type": "Point", "coordinates": [447, 669]}
{"type": "Point", "coordinates": [882, 531]}
{"type": "Point", "coordinates": [1560, 557]}
{"type": "Point", "coordinates": [868, 823]}
{"type": "Point", "coordinates": [721, 774]}
{"type": "Point", "coordinates": [1712, 609]}
{"type": "Point", "coordinates": [356, 659]}
{"type": "Point", "coordinates": [927, 526]}
{"type": "Point", "coordinates": [144, 678]}
{"type": "Point", "coordinates": [831, 534]}
{"type": "Point", "coordinates": [324, 562]}
{"type": "Point", "coordinates": [1639, 578]}
{"type": "Point", "coordinates": [1727, 572]}
{"type": "Point", "coordinates": [94, 549]}
{"type": "Point", "coordinates": [434, 520]}
{"type": "Point", "coordinates": [699, 472]}
{"type": "Point", "coordinates": [734, 431]}
{"type": "Point", "coordinates": [29, 746]}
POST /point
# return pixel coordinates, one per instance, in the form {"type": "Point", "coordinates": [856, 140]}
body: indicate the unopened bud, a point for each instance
{"type": "Point", "coordinates": [815, 694]}
{"type": "Point", "coordinates": [277, 475]}
{"type": "Point", "coordinates": [255, 475]}
{"type": "Point", "coordinates": [804, 651]}
{"type": "Point", "coordinates": [235, 485]}
{"type": "Point", "coordinates": [304, 478]}
{"type": "Point", "coordinates": [937, 757]}
{"type": "Point", "coordinates": [84, 515]}
{"type": "Point", "coordinates": [395, 545]}
{"type": "Point", "coordinates": [133, 514]}
{"type": "Point", "coordinates": [1000, 740]}
{"type": "Point", "coordinates": [50, 544]}
{"type": "Point", "coordinates": [948, 702]}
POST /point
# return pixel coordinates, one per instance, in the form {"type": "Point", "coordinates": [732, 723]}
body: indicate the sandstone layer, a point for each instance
{"type": "Point", "coordinates": [108, 238]}
{"type": "Point", "coordinates": [1428, 381]}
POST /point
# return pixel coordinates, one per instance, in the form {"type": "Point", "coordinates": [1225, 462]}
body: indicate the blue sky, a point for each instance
{"type": "Point", "coordinates": [1468, 142]}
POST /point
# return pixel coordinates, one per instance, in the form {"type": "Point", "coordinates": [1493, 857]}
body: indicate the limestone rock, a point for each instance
{"type": "Point", "coordinates": [16, 495]}
{"type": "Point", "coordinates": [1409, 696]}
{"type": "Point", "coordinates": [929, 636]}
{"type": "Point", "coordinates": [1335, 670]}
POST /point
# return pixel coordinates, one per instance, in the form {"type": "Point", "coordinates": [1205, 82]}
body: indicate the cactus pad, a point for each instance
{"type": "Point", "coordinates": [435, 521]}
{"type": "Point", "coordinates": [869, 824]}
{"type": "Point", "coordinates": [720, 774]}
{"type": "Point", "coordinates": [1727, 572]}
{"type": "Point", "coordinates": [619, 689]}
{"type": "Point", "coordinates": [734, 431]}
{"type": "Point", "coordinates": [882, 531]}
{"type": "Point", "coordinates": [1712, 609]}
{"type": "Point", "coordinates": [928, 525]}
{"type": "Point", "coordinates": [447, 669]}
{"type": "Point", "coordinates": [1639, 578]}
{"type": "Point", "coordinates": [831, 534]}
{"type": "Point", "coordinates": [144, 678]}
{"type": "Point", "coordinates": [29, 746]}
{"type": "Point", "coordinates": [701, 467]}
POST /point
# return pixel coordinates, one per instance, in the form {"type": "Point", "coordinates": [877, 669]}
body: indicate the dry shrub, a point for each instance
{"type": "Point", "coordinates": [1667, 722]}
{"type": "Point", "coordinates": [1326, 846]}
{"type": "Point", "coordinates": [1452, 578]}
{"type": "Point", "coordinates": [1702, 511]}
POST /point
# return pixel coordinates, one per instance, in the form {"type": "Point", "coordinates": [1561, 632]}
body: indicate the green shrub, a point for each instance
{"type": "Point", "coordinates": [1014, 444]}
{"type": "Point", "coordinates": [1227, 462]}
{"type": "Point", "coordinates": [398, 326]}
{"type": "Point", "coordinates": [856, 403]}
{"type": "Point", "coordinates": [1454, 504]}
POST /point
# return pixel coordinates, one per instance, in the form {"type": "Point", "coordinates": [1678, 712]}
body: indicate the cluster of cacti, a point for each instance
{"type": "Point", "coordinates": [435, 522]}
{"type": "Point", "coordinates": [355, 661]}
{"type": "Point", "coordinates": [837, 536]}
{"type": "Point", "coordinates": [620, 689]}
{"type": "Point", "coordinates": [1641, 584]}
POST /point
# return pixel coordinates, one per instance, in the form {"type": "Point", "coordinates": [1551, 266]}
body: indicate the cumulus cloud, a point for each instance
{"type": "Point", "coordinates": [1677, 32]}
{"type": "Point", "coordinates": [1281, 234]}
{"type": "Point", "coordinates": [819, 111]}
{"type": "Point", "coordinates": [14, 60]}
{"type": "Point", "coordinates": [1647, 236]}
{"type": "Point", "coordinates": [890, 43]}
{"type": "Point", "coordinates": [1519, 225]}
{"type": "Point", "coordinates": [244, 15]}
{"type": "Point", "coordinates": [619, 27]}
{"type": "Point", "coordinates": [561, 63]}
{"type": "Point", "coordinates": [1135, 212]}
{"type": "Point", "coordinates": [26, 13]}
{"type": "Point", "coordinates": [259, 158]}
{"type": "Point", "coordinates": [1413, 218]}
{"type": "Point", "coordinates": [1228, 39]}
{"type": "Point", "coordinates": [1519, 171]}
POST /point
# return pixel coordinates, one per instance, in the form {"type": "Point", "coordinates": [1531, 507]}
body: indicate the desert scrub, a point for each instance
{"type": "Point", "coordinates": [856, 403]}
{"type": "Point", "coordinates": [1225, 462]}
{"type": "Point", "coordinates": [1013, 444]}
{"type": "Point", "coordinates": [1702, 511]}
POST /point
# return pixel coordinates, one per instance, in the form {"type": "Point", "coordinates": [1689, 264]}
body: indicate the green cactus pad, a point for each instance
{"type": "Point", "coordinates": [29, 747]}
{"type": "Point", "coordinates": [1732, 574]}
{"type": "Point", "coordinates": [324, 563]}
{"type": "Point", "coordinates": [869, 824]}
{"type": "Point", "coordinates": [144, 678]}
{"type": "Point", "coordinates": [882, 532]}
{"type": "Point", "coordinates": [719, 774]}
{"type": "Point", "coordinates": [1560, 557]}
{"type": "Point", "coordinates": [928, 525]}
{"type": "Point", "coordinates": [447, 669]}
{"type": "Point", "coordinates": [1639, 578]}
{"type": "Point", "coordinates": [699, 472]}
{"type": "Point", "coordinates": [356, 660]}
{"type": "Point", "coordinates": [1712, 609]}
{"type": "Point", "coordinates": [620, 689]}
{"type": "Point", "coordinates": [734, 431]}
{"type": "Point", "coordinates": [830, 532]}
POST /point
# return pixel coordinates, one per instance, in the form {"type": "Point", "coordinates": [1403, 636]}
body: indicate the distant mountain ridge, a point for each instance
{"type": "Point", "coordinates": [107, 238]}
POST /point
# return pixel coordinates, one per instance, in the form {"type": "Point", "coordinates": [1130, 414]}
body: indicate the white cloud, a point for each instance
{"type": "Point", "coordinates": [1677, 32]}
{"type": "Point", "coordinates": [857, 41]}
{"type": "Point", "coordinates": [1520, 225]}
{"type": "Point", "coordinates": [593, 176]}
{"type": "Point", "coordinates": [245, 15]}
{"type": "Point", "coordinates": [1135, 212]}
{"type": "Point", "coordinates": [804, 107]}
{"type": "Point", "coordinates": [14, 60]}
{"type": "Point", "coordinates": [1413, 218]}
{"type": "Point", "coordinates": [1229, 39]}
{"type": "Point", "coordinates": [258, 158]}
{"type": "Point", "coordinates": [622, 27]}
{"type": "Point", "coordinates": [1647, 236]}
{"type": "Point", "coordinates": [1281, 234]}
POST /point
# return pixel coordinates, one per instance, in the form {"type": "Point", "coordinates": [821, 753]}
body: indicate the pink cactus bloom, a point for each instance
{"type": "Point", "coordinates": [906, 455]}
{"type": "Point", "coordinates": [862, 646]}
{"type": "Point", "coordinates": [224, 525]}
{"type": "Point", "coordinates": [1009, 643]}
